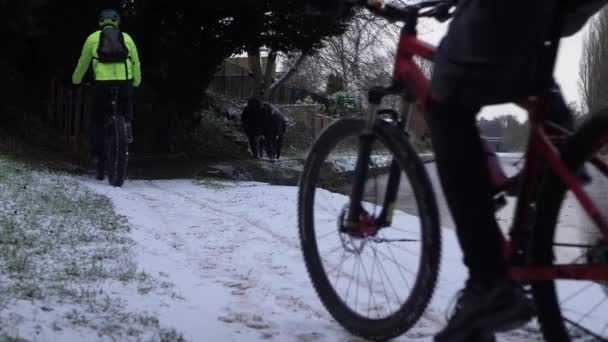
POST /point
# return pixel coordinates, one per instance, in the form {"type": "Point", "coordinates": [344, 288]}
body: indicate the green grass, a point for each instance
{"type": "Point", "coordinates": [61, 245]}
{"type": "Point", "coordinates": [215, 184]}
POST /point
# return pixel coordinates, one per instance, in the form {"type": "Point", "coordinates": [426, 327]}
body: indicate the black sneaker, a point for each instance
{"type": "Point", "coordinates": [483, 310]}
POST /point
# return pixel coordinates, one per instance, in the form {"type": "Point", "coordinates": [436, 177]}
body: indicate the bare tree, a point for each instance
{"type": "Point", "coordinates": [263, 79]}
{"type": "Point", "coordinates": [357, 54]}
{"type": "Point", "coordinates": [594, 64]}
{"type": "Point", "coordinates": [264, 75]}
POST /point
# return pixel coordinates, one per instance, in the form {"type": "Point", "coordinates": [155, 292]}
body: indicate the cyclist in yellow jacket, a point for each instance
{"type": "Point", "coordinates": [115, 64]}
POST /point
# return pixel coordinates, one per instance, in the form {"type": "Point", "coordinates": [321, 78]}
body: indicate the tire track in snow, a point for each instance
{"type": "Point", "coordinates": [267, 301]}
{"type": "Point", "coordinates": [430, 316]}
{"type": "Point", "coordinates": [238, 281]}
{"type": "Point", "coordinates": [251, 222]}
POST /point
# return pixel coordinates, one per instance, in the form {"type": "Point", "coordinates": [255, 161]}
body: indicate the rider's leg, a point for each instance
{"type": "Point", "coordinates": [490, 301]}
{"type": "Point", "coordinates": [126, 101]}
{"type": "Point", "coordinates": [279, 148]}
{"type": "Point", "coordinates": [461, 163]}
{"type": "Point", "coordinates": [253, 144]}
{"type": "Point", "coordinates": [101, 108]}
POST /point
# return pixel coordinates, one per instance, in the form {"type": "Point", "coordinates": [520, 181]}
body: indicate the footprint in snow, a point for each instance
{"type": "Point", "coordinates": [251, 321]}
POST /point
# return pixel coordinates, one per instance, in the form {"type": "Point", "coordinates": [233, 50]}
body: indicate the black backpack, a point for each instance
{"type": "Point", "coordinates": [112, 47]}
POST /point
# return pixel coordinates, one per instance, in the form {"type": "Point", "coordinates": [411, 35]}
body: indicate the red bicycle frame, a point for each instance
{"type": "Point", "coordinates": [540, 150]}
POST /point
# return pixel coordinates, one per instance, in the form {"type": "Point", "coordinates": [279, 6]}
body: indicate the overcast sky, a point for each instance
{"type": "Point", "coordinates": [566, 71]}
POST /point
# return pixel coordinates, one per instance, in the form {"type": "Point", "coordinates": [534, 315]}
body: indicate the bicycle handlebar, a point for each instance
{"type": "Point", "coordinates": [438, 9]}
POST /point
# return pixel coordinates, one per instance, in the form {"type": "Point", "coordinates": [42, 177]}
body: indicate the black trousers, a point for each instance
{"type": "Point", "coordinates": [102, 110]}
{"type": "Point", "coordinates": [462, 167]}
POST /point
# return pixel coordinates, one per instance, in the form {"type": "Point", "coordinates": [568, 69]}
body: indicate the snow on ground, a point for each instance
{"type": "Point", "coordinates": [232, 251]}
{"type": "Point", "coordinates": [346, 162]}
{"type": "Point", "coordinates": [206, 260]}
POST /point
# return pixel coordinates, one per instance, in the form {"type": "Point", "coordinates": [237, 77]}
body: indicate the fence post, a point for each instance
{"type": "Point", "coordinates": [88, 108]}
{"type": "Point", "coordinates": [50, 104]}
{"type": "Point", "coordinates": [77, 118]}
{"type": "Point", "coordinates": [70, 119]}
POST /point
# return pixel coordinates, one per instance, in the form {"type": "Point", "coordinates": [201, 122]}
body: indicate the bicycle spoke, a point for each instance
{"type": "Point", "coordinates": [397, 229]}
{"type": "Point", "coordinates": [371, 295]}
{"type": "Point", "coordinates": [339, 268]}
{"type": "Point", "coordinates": [576, 293]}
{"type": "Point", "coordinates": [334, 249]}
{"type": "Point", "coordinates": [388, 301]}
{"type": "Point", "coordinates": [357, 283]}
{"type": "Point", "coordinates": [369, 283]}
{"type": "Point", "coordinates": [403, 249]}
{"type": "Point", "coordinates": [383, 272]}
{"type": "Point", "coordinates": [593, 309]}
{"type": "Point", "coordinates": [389, 282]}
{"type": "Point", "coordinates": [585, 330]}
{"type": "Point", "coordinates": [355, 266]}
{"type": "Point", "coordinates": [400, 272]}
{"type": "Point", "coordinates": [382, 240]}
{"type": "Point", "coordinates": [396, 263]}
{"type": "Point", "coordinates": [326, 235]}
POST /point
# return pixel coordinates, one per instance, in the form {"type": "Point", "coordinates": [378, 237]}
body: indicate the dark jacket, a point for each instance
{"type": "Point", "coordinates": [490, 53]}
{"type": "Point", "coordinates": [494, 50]}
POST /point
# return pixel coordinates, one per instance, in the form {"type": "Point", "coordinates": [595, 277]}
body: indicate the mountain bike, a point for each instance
{"type": "Point", "coordinates": [375, 268]}
{"type": "Point", "coordinates": [115, 143]}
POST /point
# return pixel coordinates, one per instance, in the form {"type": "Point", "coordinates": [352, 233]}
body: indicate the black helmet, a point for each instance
{"type": "Point", "coordinates": [109, 17]}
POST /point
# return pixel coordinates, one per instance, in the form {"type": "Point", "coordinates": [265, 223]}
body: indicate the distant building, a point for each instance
{"type": "Point", "coordinates": [496, 143]}
{"type": "Point", "coordinates": [233, 78]}
{"type": "Point", "coordinates": [237, 66]}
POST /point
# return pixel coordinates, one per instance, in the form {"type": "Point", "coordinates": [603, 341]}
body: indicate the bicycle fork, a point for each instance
{"type": "Point", "coordinates": [356, 212]}
{"type": "Point", "coordinates": [385, 218]}
{"type": "Point", "coordinates": [366, 141]}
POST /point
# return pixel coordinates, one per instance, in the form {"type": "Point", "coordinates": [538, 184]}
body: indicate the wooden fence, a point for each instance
{"type": "Point", "coordinates": [69, 113]}
{"type": "Point", "coordinates": [235, 81]}
{"type": "Point", "coordinates": [70, 108]}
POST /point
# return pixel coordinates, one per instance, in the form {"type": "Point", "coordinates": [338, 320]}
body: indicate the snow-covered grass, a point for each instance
{"type": "Point", "coordinates": [346, 162]}
{"type": "Point", "coordinates": [66, 263]}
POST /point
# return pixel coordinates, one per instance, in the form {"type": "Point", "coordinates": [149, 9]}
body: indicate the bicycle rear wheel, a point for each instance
{"type": "Point", "coordinates": [376, 286]}
{"type": "Point", "coordinates": [117, 151]}
{"type": "Point", "coordinates": [573, 310]}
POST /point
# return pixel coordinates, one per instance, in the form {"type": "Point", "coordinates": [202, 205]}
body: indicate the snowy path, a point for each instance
{"type": "Point", "coordinates": [232, 252]}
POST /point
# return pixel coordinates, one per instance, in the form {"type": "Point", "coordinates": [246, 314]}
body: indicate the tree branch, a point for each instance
{"type": "Point", "coordinates": [269, 73]}
{"type": "Point", "coordinates": [287, 75]}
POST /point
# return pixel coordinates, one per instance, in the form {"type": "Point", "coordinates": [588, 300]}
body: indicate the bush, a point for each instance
{"type": "Point", "coordinates": [209, 138]}
{"type": "Point", "coordinates": [343, 103]}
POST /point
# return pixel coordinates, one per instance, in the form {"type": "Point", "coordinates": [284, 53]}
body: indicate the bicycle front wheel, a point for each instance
{"type": "Point", "coordinates": [376, 285]}
{"type": "Point", "coordinates": [570, 310]}
{"type": "Point", "coordinates": [117, 151]}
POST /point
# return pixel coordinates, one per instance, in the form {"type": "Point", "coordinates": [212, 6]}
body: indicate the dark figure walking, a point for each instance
{"type": "Point", "coordinates": [252, 121]}
{"type": "Point", "coordinates": [275, 127]}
